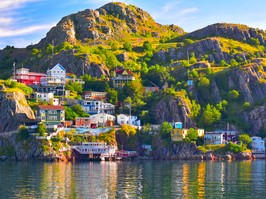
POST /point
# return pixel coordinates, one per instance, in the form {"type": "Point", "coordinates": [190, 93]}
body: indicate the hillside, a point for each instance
{"type": "Point", "coordinates": [225, 61]}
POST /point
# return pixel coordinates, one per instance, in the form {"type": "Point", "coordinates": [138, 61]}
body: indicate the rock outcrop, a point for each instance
{"type": "Point", "coordinates": [15, 111]}
{"type": "Point", "coordinates": [111, 20]}
{"type": "Point", "coordinates": [171, 109]}
{"type": "Point", "coordinates": [210, 46]}
{"type": "Point", "coordinates": [233, 31]}
{"type": "Point", "coordinates": [79, 65]}
{"type": "Point", "coordinates": [16, 149]}
{"type": "Point", "coordinates": [257, 120]}
{"type": "Point", "coordinates": [176, 151]}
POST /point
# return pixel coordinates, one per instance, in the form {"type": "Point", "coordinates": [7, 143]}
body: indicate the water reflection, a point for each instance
{"type": "Point", "coordinates": [138, 179]}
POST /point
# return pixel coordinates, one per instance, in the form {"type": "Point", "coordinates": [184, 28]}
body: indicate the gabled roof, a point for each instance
{"type": "Point", "coordinates": [50, 107]}
{"type": "Point", "coordinates": [37, 74]}
{"type": "Point", "coordinates": [60, 66]}
{"type": "Point", "coordinates": [121, 71]}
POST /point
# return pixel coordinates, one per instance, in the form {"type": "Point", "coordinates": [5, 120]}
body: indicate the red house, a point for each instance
{"type": "Point", "coordinates": [29, 78]}
{"type": "Point", "coordinates": [85, 122]}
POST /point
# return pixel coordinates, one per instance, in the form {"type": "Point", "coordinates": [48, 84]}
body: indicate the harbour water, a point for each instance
{"type": "Point", "coordinates": [133, 179]}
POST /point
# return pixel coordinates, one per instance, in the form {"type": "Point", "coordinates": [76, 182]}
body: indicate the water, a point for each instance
{"type": "Point", "coordinates": [133, 179]}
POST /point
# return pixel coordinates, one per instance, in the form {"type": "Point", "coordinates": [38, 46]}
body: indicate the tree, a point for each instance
{"type": "Point", "coordinates": [254, 41]}
{"type": "Point", "coordinates": [41, 129]}
{"type": "Point", "coordinates": [23, 133]}
{"type": "Point", "coordinates": [147, 46]}
{"type": "Point", "coordinates": [112, 96]}
{"type": "Point", "coordinates": [210, 115]}
{"type": "Point", "coordinates": [79, 111]}
{"type": "Point", "coordinates": [128, 130]}
{"type": "Point", "coordinates": [203, 82]}
{"type": "Point", "coordinates": [165, 129]}
{"type": "Point", "coordinates": [245, 139]}
{"type": "Point", "coordinates": [127, 46]}
{"type": "Point", "coordinates": [233, 62]}
{"type": "Point", "coordinates": [233, 94]}
{"type": "Point", "coordinates": [192, 134]}
{"type": "Point", "coordinates": [74, 87]}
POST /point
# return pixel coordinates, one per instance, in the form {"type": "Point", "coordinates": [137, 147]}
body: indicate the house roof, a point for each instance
{"type": "Point", "coordinates": [37, 74]}
{"type": "Point", "coordinates": [120, 71]}
{"type": "Point", "coordinates": [50, 107]}
{"type": "Point", "coordinates": [60, 66]}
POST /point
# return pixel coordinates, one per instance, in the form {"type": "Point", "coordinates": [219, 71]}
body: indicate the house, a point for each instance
{"type": "Point", "coordinates": [95, 107]}
{"type": "Point", "coordinates": [94, 95]}
{"type": "Point", "coordinates": [258, 146]}
{"type": "Point", "coordinates": [128, 119]}
{"type": "Point", "coordinates": [214, 138]}
{"type": "Point", "coordinates": [103, 119]}
{"type": "Point", "coordinates": [50, 115]}
{"type": "Point", "coordinates": [151, 89]}
{"type": "Point", "coordinates": [121, 77]}
{"type": "Point", "coordinates": [42, 97]}
{"type": "Point", "coordinates": [178, 134]}
{"type": "Point", "coordinates": [71, 77]}
{"type": "Point", "coordinates": [229, 136]}
{"type": "Point", "coordinates": [85, 122]}
{"type": "Point", "coordinates": [56, 76]}
{"type": "Point", "coordinates": [56, 90]}
{"type": "Point", "coordinates": [23, 75]}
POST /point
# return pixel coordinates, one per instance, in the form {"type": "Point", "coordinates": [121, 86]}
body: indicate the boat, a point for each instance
{"type": "Point", "coordinates": [93, 151]}
{"type": "Point", "coordinates": [123, 154]}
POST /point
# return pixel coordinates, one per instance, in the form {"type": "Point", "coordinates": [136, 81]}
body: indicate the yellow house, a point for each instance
{"type": "Point", "coordinates": [121, 77]}
{"type": "Point", "coordinates": [180, 134]}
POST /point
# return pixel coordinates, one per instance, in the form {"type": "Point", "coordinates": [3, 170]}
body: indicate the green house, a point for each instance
{"type": "Point", "coordinates": [50, 115]}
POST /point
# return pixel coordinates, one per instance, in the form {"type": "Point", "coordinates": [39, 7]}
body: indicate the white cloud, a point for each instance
{"type": "Point", "coordinates": [12, 4]}
{"type": "Point", "coordinates": [4, 20]}
{"type": "Point", "coordinates": [188, 11]}
{"type": "Point", "coordinates": [23, 31]}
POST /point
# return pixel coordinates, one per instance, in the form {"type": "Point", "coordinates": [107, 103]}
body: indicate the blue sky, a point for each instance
{"type": "Point", "coordinates": [25, 22]}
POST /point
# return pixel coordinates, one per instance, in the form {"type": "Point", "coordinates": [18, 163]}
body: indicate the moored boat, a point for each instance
{"type": "Point", "coordinates": [93, 151]}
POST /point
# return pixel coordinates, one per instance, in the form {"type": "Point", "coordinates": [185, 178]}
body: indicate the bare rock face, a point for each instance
{"type": "Point", "coordinates": [246, 80]}
{"type": "Point", "coordinates": [169, 109]}
{"type": "Point", "coordinates": [210, 46]}
{"type": "Point", "coordinates": [233, 31]}
{"type": "Point", "coordinates": [176, 151]}
{"type": "Point", "coordinates": [95, 25]}
{"type": "Point", "coordinates": [257, 120]}
{"type": "Point", "coordinates": [78, 65]}
{"type": "Point", "coordinates": [14, 111]}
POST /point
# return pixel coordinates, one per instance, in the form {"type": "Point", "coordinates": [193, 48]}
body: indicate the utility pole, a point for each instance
{"type": "Point", "coordinates": [187, 56]}
{"type": "Point", "coordinates": [14, 69]}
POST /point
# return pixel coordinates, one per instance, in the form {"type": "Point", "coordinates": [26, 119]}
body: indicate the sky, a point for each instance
{"type": "Point", "coordinates": [25, 22]}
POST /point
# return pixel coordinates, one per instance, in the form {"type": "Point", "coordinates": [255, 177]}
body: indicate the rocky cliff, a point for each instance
{"type": "Point", "coordinates": [211, 47]}
{"type": "Point", "coordinates": [175, 151]}
{"type": "Point", "coordinates": [113, 20]}
{"type": "Point", "coordinates": [233, 31]}
{"type": "Point", "coordinates": [172, 109]}
{"type": "Point", "coordinates": [16, 149]}
{"type": "Point", "coordinates": [15, 111]}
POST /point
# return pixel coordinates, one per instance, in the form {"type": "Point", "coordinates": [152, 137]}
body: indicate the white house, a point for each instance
{"type": "Point", "coordinates": [44, 97]}
{"type": "Point", "coordinates": [127, 119]}
{"type": "Point", "coordinates": [95, 107]}
{"type": "Point", "coordinates": [258, 146]}
{"type": "Point", "coordinates": [55, 76]}
{"type": "Point", "coordinates": [103, 119]}
{"type": "Point", "coordinates": [214, 138]}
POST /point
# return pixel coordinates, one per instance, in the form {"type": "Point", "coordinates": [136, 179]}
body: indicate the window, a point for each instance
{"type": "Point", "coordinates": [52, 112]}
{"type": "Point", "coordinates": [53, 118]}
